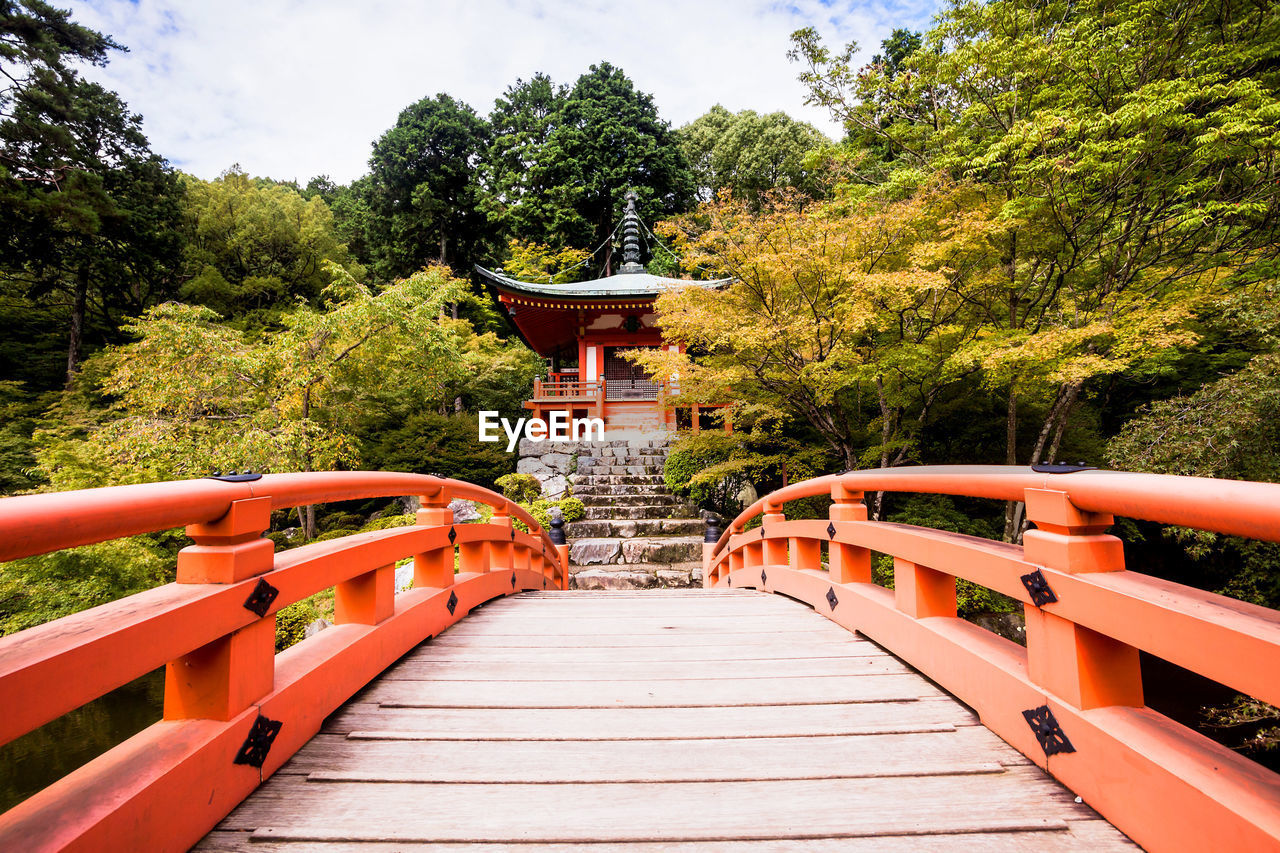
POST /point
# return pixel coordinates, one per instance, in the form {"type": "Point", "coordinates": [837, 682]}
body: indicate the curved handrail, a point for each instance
{"type": "Point", "coordinates": [1233, 507]}
{"type": "Point", "coordinates": [214, 632]}
{"type": "Point", "coordinates": [38, 524]}
{"type": "Point", "coordinates": [1079, 676]}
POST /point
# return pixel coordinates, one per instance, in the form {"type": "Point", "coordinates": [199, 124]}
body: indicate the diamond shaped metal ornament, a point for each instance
{"type": "Point", "coordinates": [831, 530]}
{"type": "Point", "coordinates": [256, 746]}
{"type": "Point", "coordinates": [453, 535]}
{"type": "Point", "coordinates": [764, 579]}
{"type": "Point", "coordinates": [1047, 731]}
{"type": "Point", "coordinates": [452, 603]}
{"type": "Point", "coordinates": [259, 601]}
{"type": "Point", "coordinates": [1038, 588]}
{"type": "Point", "coordinates": [832, 601]}
{"type": "Point", "coordinates": [513, 580]}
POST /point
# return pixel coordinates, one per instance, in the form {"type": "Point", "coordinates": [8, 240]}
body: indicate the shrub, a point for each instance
{"type": "Point", "coordinates": [571, 509]}
{"type": "Point", "coordinates": [714, 470]}
{"type": "Point", "coordinates": [521, 488]}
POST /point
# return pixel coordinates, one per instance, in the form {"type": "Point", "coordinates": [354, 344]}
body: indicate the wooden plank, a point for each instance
{"type": "Point", "coordinates": [339, 811]}
{"type": "Point", "coordinates": [703, 652]}
{"type": "Point", "coordinates": [1079, 836]}
{"type": "Point", "coordinates": [648, 694]}
{"type": "Point", "coordinates": [373, 721]}
{"type": "Point", "coordinates": [959, 751]}
{"type": "Point", "coordinates": [815, 638]}
{"type": "Point", "coordinates": [590, 626]}
{"type": "Point", "coordinates": [426, 669]}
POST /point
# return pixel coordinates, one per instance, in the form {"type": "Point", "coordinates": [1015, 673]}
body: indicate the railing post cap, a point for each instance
{"type": "Point", "coordinates": [556, 533]}
{"type": "Point", "coordinates": [713, 531]}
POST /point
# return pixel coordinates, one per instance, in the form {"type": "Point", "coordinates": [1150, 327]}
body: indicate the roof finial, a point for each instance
{"type": "Point", "coordinates": [630, 237]}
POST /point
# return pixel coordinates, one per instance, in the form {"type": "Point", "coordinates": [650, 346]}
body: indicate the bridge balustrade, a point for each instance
{"type": "Point", "coordinates": [234, 710]}
{"type": "Point", "coordinates": [1072, 699]}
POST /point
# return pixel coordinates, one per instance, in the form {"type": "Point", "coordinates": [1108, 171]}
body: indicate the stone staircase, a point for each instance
{"type": "Point", "coordinates": [635, 534]}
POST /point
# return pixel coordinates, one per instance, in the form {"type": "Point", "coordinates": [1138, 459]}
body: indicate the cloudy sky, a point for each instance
{"type": "Point", "coordinates": [296, 88]}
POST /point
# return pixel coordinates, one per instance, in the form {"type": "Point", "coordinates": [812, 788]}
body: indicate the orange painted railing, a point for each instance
{"type": "Point", "coordinates": [1072, 699]}
{"type": "Point", "coordinates": [544, 389]}
{"type": "Point", "coordinates": [234, 710]}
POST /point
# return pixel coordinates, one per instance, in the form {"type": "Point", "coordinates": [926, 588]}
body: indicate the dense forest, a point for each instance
{"type": "Point", "coordinates": [1048, 232]}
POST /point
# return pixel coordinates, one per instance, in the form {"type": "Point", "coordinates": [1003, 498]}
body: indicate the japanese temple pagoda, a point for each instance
{"type": "Point", "coordinates": [582, 328]}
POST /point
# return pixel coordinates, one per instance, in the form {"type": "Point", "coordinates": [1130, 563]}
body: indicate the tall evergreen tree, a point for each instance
{"type": "Point", "coordinates": [609, 138]}
{"type": "Point", "coordinates": [88, 213]}
{"type": "Point", "coordinates": [424, 193]}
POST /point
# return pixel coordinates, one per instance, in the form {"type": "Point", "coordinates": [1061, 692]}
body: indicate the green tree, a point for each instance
{"type": "Point", "coordinates": [608, 138]}
{"type": "Point", "coordinates": [254, 248]}
{"type": "Point", "coordinates": [845, 318]}
{"type": "Point", "coordinates": [526, 203]}
{"type": "Point", "coordinates": [87, 211]}
{"type": "Point", "coordinates": [1131, 147]}
{"type": "Point", "coordinates": [424, 193]}
{"type": "Point", "coordinates": [750, 154]}
{"type": "Point", "coordinates": [192, 394]}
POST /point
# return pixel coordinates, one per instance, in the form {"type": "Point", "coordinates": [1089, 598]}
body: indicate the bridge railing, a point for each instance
{"type": "Point", "coordinates": [234, 710]}
{"type": "Point", "coordinates": [1072, 699]}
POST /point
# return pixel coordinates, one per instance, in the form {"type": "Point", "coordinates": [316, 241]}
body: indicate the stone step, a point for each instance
{"type": "Point", "coordinates": [581, 490]}
{"type": "Point", "coordinates": [639, 576]}
{"type": "Point", "coordinates": [627, 528]}
{"type": "Point", "coordinates": [655, 445]}
{"type": "Point", "coordinates": [642, 457]}
{"type": "Point", "coordinates": [656, 549]}
{"type": "Point", "coordinates": [649, 499]}
{"type": "Point", "coordinates": [634, 470]}
{"type": "Point", "coordinates": [596, 513]}
{"type": "Point", "coordinates": [618, 479]}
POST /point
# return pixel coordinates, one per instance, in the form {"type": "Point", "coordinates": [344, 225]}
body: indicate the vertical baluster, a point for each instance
{"type": "Point", "coordinates": [923, 592]}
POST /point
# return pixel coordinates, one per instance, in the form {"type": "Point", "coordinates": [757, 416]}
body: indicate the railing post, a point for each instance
{"type": "Point", "coordinates": [434, 568]}
{"type": "Point", "coordinates": [849, 563]}
{"type": "Point", "coordinates": [1083, 667]}
{"type": "Point", "coordinates": [556, 535]}
{"type": "Point", "coordinates": [922, 592]}
{"type": "Point", "coordinates": [231, 548]}
{"type": "Point", "coordinates": [709, 539]}
{"type": "Point", "coordinates": [775, 550]}
{"type": "Point", "coordinates": [222, 678]}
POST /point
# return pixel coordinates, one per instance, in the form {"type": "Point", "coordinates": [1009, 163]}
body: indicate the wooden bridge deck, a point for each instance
{"type": "Point", "coordinates": [656, 721]}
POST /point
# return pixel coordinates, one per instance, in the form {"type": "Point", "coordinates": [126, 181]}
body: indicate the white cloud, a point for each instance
{"type": "Point", "coordinates": [297, 89]}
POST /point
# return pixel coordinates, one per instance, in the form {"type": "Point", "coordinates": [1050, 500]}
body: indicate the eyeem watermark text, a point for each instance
{"type": "Point", "coordinates": [559, 428]}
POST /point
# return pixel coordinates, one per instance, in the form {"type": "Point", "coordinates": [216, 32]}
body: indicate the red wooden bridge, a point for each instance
{"type": "Point", "coordinates": [793, 704]}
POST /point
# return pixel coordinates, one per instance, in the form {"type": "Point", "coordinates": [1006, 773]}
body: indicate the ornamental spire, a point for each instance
{"type": "Point", "coordinates": [630, 237]}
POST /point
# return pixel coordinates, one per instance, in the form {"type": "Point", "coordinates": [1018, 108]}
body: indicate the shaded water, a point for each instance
{"type": "Point", "coordinates": [42, 757]}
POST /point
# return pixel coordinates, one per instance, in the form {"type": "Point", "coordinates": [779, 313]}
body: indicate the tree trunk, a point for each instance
{"type": "Point", "coordinates": [78, 307]}
{"type": "Point", "coordinates": [886, 432]}
{"type": "Point", "coordinates": [1055, 424]}
{"type": "Point", "coordinates": [1012, 509]}
{"type": "Point", "coordinates": [307, 514]}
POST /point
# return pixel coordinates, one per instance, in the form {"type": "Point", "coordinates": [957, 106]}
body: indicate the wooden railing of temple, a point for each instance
{"type": "Point", "coordinates": [234, 710]}
{"type": "Point", "coordinates": [554, 389]}
{"type": "Point", "coordinates": [1072, 699]}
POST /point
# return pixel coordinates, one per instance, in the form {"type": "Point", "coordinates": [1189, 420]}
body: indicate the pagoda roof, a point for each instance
{"type": "Point", "coordinates": [629, 285]}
